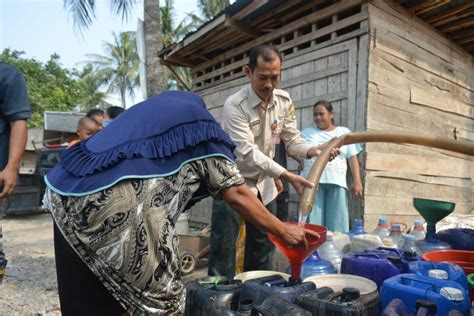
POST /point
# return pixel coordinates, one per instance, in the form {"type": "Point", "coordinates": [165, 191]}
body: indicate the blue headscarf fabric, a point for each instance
{"type": "Point", "coordinates": [154, 138]}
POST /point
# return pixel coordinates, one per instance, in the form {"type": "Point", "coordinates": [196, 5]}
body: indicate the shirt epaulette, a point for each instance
{"type": "Point", "coordinates": [282, 93]}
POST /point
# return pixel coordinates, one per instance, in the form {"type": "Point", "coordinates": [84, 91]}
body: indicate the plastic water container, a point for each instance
{"type": "Point", "coordinates": [360, 243]}
{"type": "Point", "coordinates": [409, 245]}
{"type": "Point", "coordinates": [396, 308]}
{"type": "Point", "coordinates": [314, 265]}
{"type": "Point", "coordinates": [383, 229]}
{"type": "Point", "coordinates": [458, 238]}
{"type": "Point", "coordinates": [342, 241]}
{"type": "Point", "coordinates": [339, 281]}
{"type": "Point", "coordinates": [423, 308]}
{"type": "Point", "coordinates": [256, 274]}
{"type": "Point", "coordinates": [396, 235]}
{"type": "Point", "coordinates": [357, 228]}
{"type": "Point", "coordinates": [275, 305]}
{"type": "Point", "coordinates": [418, 230]}
{"type": "Point", "coordinates": [259, 289]}
{"type": "Point", "coordinates": [324, 301]}
{"type": "Point", "coordinates": [451, 271]}
{"type": "Point", "coordinates": [376, 266]}
{"type": "Point", "coordinates": [446, 294]}
{"type": "Point", "coordinates": [406, 256]}
{"type": "Point", "coordinates": [207, 295]}
{"type": "Point", "coordinates": [244, 307]}
{"type": "Point", "coordinates": [329, 251]}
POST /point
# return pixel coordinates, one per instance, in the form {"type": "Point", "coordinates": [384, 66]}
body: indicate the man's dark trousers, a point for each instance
{"type": "Point", "coordinates": [224, 232]}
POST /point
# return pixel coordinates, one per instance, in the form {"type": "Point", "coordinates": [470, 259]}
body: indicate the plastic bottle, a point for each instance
{"type": "Point", "coordinates": [357, 228]}
{"type": "Point", "coordinates": [383, 229]}
{"type": "Point", "coordinates": [329, 251]}
{"type": "Point", "coordinates": [396, 235]}
{"type": "Point", "coordinates": [314, 265]}
{"type": "Point", "coordinates": [418, 230]}
{"type": "Point", "coordinates": [409, 245]}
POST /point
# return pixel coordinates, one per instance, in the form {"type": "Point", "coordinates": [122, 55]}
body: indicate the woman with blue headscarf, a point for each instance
{"type": "Point", "coordinates": [116, 197]}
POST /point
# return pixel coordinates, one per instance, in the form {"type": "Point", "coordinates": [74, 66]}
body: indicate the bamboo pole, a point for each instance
{"type": "Point", "coordinates": [459, 146]}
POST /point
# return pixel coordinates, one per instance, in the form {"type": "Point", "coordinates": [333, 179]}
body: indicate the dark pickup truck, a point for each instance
{"type": "Point", "coordinates": [27, 196]}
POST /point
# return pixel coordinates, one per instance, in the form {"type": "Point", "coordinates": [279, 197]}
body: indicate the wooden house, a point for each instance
{"type": "Point", "coordinates": [385, 65]}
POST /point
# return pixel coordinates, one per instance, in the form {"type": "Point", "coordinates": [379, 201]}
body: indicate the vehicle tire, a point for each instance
{"type": "Point", "coordinates": [187, 262]}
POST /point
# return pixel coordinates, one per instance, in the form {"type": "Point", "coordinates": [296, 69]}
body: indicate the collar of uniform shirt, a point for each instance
{"type": "Point", "coordinates": [254, 99]}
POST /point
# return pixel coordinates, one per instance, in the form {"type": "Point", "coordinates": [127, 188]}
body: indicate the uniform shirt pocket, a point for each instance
{"type": "Point", "coordinates": [256, 127]}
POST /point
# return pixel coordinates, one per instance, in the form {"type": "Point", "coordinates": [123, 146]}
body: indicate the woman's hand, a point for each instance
{"type": "Point", "coordinates": [357, 189]}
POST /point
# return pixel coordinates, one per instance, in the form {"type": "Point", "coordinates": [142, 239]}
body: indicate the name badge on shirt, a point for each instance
{"type": "Point", "coordinates": [254, 123]}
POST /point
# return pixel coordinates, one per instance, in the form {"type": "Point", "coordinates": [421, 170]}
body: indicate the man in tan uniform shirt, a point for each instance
{"type": "Point", "coordinates": [255, 117]}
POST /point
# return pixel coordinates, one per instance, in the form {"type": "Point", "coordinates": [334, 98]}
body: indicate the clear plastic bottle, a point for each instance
{"type": "Point", "coordinates": [409, 245]}
{"type": "Point", "coordinates": [418, 230]}
{"type": "Point", "coordinates": [329, 251]}
{"type": "Point", "coordinates": [383, 229]}
{"type": "Point", "coordinates": [357, 228]}
{"type": "Point", "coordinates": [396, 235]}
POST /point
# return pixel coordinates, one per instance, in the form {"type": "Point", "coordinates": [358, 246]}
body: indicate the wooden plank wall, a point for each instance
{"type": "Point", "coordinates": [335, 71]}
{"type": "Point", "coordinates": [419, 82]}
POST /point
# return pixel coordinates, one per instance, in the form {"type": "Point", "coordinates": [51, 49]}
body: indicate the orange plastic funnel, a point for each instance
{"type": "Point", "coordinates": [297, 254]}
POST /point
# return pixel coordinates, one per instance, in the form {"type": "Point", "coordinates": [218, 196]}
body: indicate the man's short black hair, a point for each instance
{"type": "Point", "coordinates": [94, 112]}
{"type": "Point", "coordinates": [267, 51]}
{"type": "Point", "coordinates": [114, 111]}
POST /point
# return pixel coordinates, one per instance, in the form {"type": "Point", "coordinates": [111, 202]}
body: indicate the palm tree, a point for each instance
{"type": "Point", "coordinates": [91, 81]}
{"type": "Point", "coordinates": [210, 8]}
{"type": "Point", "coordinates": [83, 13]}
{"type": "Point", "coordinates": [119, 65]}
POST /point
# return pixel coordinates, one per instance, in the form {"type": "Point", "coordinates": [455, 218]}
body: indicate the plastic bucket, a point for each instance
{"type": "Point", "coordinates": [464, 259]}
{"type": "Point", "coordinates": [250, 275]}
{"type": "Point", "coordinates": [339, 281]}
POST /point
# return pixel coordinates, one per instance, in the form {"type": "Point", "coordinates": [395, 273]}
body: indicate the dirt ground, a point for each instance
{"type": "Point", "coordinates": [29, 286]}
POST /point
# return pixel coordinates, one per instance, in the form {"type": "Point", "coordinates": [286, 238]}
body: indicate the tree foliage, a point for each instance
{"type": "Point", "coordinates": [118, 67]}
{"type": "Point", "coordinates": [91, 83]}
{"type": "Point", "coordinates": [211, 8]}
{"type": "Point", "coordinates": [50, 86]}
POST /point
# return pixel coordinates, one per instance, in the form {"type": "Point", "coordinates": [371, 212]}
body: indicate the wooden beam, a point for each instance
{"type": "Point", "coordinates": [469, 21]}
{"type": "Point", "coordinates": [426, 6]}
{"type": "Point", "coordinates": [461, 34]}
{"type": "Point", "coordinates": [178, 77]}
{"type": "Point", "coordinates": [465, 40]}
{"type": "Point", "coordinates": [241, 29]}
{"type": "Point", "coordinates": [254, 5]}
{"type": "Point", "coordinates": [439, 19]}
{"type": "Point", "coordinates": [316, 16]}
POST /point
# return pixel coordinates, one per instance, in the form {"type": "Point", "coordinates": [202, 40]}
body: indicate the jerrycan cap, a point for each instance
{"type": "Point", "coordinates": [452, 293]}
{"type": "Point", "coordinates": [394, 259]}
{"type": "Point", "coordinates": [438, 274]}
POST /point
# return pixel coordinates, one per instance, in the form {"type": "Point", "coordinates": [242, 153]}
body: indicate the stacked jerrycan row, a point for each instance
{"type": "Point", "coordinates": [400, 273]}
{"type": "Point", "coordinates": [273, 295]}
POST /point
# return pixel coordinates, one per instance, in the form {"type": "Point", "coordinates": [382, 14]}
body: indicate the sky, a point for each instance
{"type": "Point", "coordinates": [43, 27]}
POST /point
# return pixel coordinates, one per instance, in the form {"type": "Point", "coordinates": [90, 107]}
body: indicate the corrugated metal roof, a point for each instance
{"type": "Point", "coordinates": [61, 121]}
